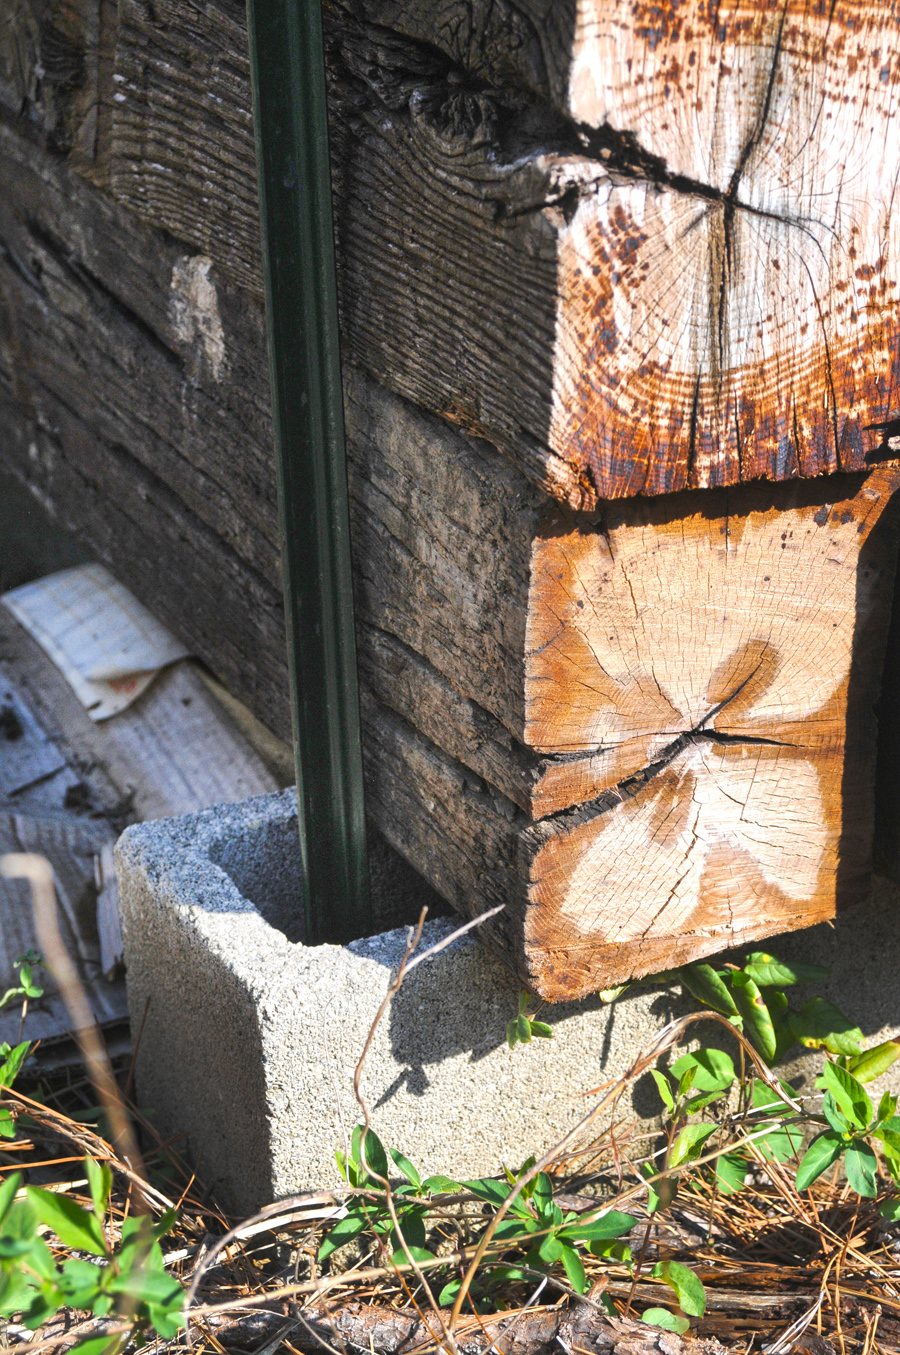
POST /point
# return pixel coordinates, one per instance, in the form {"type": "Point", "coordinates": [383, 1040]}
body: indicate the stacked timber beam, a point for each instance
{"type": "Point", "coordinates": [619, 295]}
{"type": "Point", "coordinates": [134, 393]}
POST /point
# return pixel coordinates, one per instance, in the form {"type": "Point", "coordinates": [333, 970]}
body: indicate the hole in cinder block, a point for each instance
{"type": "Point", "coordinates": [263, 863]}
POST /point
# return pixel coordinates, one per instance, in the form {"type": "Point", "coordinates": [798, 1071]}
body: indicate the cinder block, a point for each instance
{"type": "Point", "coordinates": [251, 1038]}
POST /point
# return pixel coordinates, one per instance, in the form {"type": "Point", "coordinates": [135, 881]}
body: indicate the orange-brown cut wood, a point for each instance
{"type": "Point", "coordinates": [641, 247]}
{"type": "Point", "coordinates": [738, 317]}
{"type": "Point", "coordinates": [700, 676]}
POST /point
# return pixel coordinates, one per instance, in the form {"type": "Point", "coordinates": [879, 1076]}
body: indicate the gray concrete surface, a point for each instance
{"type": "Point", "coordinates": [251, 1038]}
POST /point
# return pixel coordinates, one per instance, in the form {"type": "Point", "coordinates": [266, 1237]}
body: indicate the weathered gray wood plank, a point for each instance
{"type": "Point", "coordinates": [182, 150]}
{"type": "Point", "coordinates": [623, 300]}
{"type": "Point", "coordinates": [135, 400]}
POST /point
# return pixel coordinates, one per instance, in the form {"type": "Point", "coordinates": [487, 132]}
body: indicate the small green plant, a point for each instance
{"type": "Point", "coordinates": [13, 1056]}
{"type": "Point", "coordinates": [853, 1124]}
{"type": "Point", "coordinates": [130, 1278]}
{"type": "Point", "coordinates": [26, 987]}
{"type": "Point", "coordinates": [690, 1297]}
{"type": "Point", "coordinates": [752, 1000]}
{"type": "Point", "coordinates": [719, 1121]}
{"type": "Point", "coordinates": [751, 996]}
{"type": "Point", "coordinates": [535, 1225]}
{"type": "Point", "coordinates": [523, 1028]}
{"type": "Point", "coordinates": [366, 1168]}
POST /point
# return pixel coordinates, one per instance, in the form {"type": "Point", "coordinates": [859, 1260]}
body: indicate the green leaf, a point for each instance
{"type": "Point", "coordinates": [767, 972]}
{"type": "Point", "coordinates": [165, 1223]}
{"type": "Point", "coordinates": [574, 1269]}
{"type": "Point", "coordinates": [549, 1249]}
{"type": "Point", "coordinates": [610, 994]}
{"type": "Point", "coordinates": [515, 1226]}
{"type": "Point", "coordinates": [512, 1032]}
{"type": "Point", "coordinates": [80, 1283]}
{"type": "Point", "coordinates": [782, 1141]}
{"type": "Point", "coordinates": [850, 1095]}
{"type": "Point", "coordinates": [100, 1345]}
{"type": "Point", "coordinates": [886, 1107]}
{"type": "Point", "coordinates": [731, 1169]}
{"type": "Point", "coordinates": [689, 1144]}
{"type": "Point", "coordinates": [523, 1029]}
{"type": "Point", "coordinates": [16, 1293]}
{"type": "Point", "coordinates": [412, 1225]}
{"type": "Point", "coordinates": [399, 1257]}
{"type": "Point", "coordinates": [8, 1190]}
{"type": "Point", "coordinates": [703, 983]}
{"type": "Point", "coordinates": [148, 1286]}
{"type": "Point", "coordinates": [407, 1168]}
{"type": "Point", "coordinates": [665, 1091]}
{"type": "Point", "coordinates": [758, 1025]}
{"type": "Point", "coordinates": [541, 1187]}
{"type": "Point", "coordinates": [688, 1290]}
{"type": "Point", "coordinates": [485, 1188]}
{"type": "Point", "coordinates": [166, 1322]}
{"type": "Point", "coordinates": [607, 1227]}
{"type": "Point", "coordinates": [700, 1101]}
{"type": "Point", "coordinates": [686, 1081]}
{"type": "Point", "coordinates": [542, 1030]}
{"type": "Point", "coordinates": [890, 1209]}
{"type": "Point", "coordinates": [861, 1166]}
{"type": "Point", "coordinates": [7, 1124]}
{"type": "Point", "coordinates": [824, 1150]}
{"type": "Point", "coordinates": [661, 1317]}
{"type": "Point", "coordinates": [838, 1122]}
{"type": "Point", "coordinates": [447, 1296]}
{"type": "Point", "coordinates": [9, 1070]}
{"type": "Point", "coordinates": [819, 1024]}
{"type": "Point", "coordinates": [499, 1274]}
{"type": "Point", "coordinates": [72, 1225]}
{"type": "Point", "coordinates": [873, 1062]}
{"type": "Point", "coordinates": [889, 1138]}
{"type": "Point", "coordinates": [99, 1177]}
{"type": "Point", "coordinates": [613, 1251]}
{"type": "Point", "coordinates": [714, 1070]}
{"type": "Point", "coordinates": [441, 1185]}
{"type": "Point", "coordinates": [345, 1230]}
{"type": "Point", "coordinates": [375, 1156]}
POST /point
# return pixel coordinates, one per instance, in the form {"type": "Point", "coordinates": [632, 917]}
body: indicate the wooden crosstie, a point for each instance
{"type": "Point", "coordinates": [619, 305]}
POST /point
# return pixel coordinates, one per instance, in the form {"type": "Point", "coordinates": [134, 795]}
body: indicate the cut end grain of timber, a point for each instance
{"type": "Point", "coordinates": [641, 248]}
{"type": "Point", "coordinates": [702, 684]}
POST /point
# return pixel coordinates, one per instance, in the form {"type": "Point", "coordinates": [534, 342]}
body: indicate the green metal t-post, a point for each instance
{"type": "Point", "coordinates": [289, 111]}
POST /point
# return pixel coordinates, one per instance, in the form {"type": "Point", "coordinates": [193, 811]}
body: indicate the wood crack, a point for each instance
{"type": "Point", "coordinates": [512, 129]}
{"type": "Point", "coordinates": [631, 785]}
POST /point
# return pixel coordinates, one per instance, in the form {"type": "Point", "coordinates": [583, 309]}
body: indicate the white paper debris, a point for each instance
{"type": "Point", "coordinates": [104, 642]}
